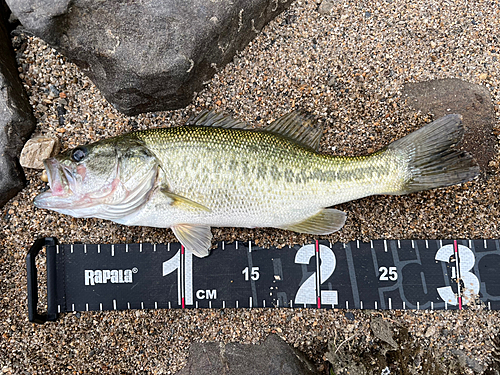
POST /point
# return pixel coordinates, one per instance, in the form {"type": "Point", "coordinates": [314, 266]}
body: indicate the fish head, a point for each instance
{"type": "Point", "coordinates": [106, 179]}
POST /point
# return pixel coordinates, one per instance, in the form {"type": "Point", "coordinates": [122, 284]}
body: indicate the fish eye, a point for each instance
{"type": "Point", "coordinates": [79, 154]}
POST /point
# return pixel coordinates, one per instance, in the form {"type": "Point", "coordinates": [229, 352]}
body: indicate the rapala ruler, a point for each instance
{"type": "Point", "coordinates": [381, 274]}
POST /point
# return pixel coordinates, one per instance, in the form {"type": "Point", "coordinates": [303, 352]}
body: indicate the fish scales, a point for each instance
{"type": "Point", "coordinates": [217, 172]}
{"type": "Point", "coordinates": [256, 178]}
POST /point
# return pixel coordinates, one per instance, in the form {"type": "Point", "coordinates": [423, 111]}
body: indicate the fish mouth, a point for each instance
{"type": "Point", "coordinates": [62, 182]}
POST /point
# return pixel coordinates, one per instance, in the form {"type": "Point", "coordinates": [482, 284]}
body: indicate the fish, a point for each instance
{"type": "Point", "coordinates": [216, 171]}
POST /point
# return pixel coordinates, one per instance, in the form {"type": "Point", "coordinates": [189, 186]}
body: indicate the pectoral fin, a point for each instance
{"type": "Point", "coordinates": [327, 221]}
{"type": "Point", "coordinates": [183, 202]}
{"type": "Point", "coordinates": [197, 238]}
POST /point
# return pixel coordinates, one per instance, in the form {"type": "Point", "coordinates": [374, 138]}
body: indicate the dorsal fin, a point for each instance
{"type": "Point", "coordinates": [216, 119]}
{"type": "Point", "coordinates": [299, 126]}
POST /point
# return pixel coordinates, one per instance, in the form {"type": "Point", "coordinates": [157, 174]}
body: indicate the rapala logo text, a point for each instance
{"type": "Point", "coordinates": [93, 277]}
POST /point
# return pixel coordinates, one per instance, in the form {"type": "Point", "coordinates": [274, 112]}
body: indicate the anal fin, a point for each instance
{"type": "Point", "coordinates": [196, 238]}
{"type": "Point", "coordinates": [327, 221]}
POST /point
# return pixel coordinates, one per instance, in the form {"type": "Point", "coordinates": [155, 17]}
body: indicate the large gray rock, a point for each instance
{"type": "Point", "coordinates": [149, 55]}
{"type": "Point", "coordinates": [273, 356]}
{"type": "Point", "coordinates": [16, 121]}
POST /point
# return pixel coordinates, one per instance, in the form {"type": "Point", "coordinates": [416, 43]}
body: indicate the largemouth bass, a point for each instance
{"type": "Point", "coordinates": [215, 171]}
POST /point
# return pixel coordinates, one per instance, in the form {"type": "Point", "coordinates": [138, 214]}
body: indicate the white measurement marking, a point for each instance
{"type": "Point", "coordinates": [196, 304]}
{"type": "Point", "coordinates": [100, 306]}
{"type": "Point", "coordinates": [278, 303]}
{"type": "Point", "coordinates": [128, 305]}
{"type": "Point", "coordinates": [440, 243]}
{"type": "Point", "coordinates": [263, 303]}
{"type": "Point", "coordinates": [86, 307]}
{"type": "Point", "coordinates": [432, 305]}
{"type": "Point", "coordinates": [58, 308]}
{"type": "Point", "coordinates": [73, 307]}
{"type": "Point", "coordinates": [154, 247]}
{"type": "Point", "coordinates": [209, 304]}
{"type": "Point", "coordinates": [249, 246]}
{"type": "Point", "coordinates": [236, 245]}
{"type": "Point", "coordinates": [343, 245]}
{"type": "Point", "coordinates": [156, 305]}
{"type": "Point", "coordinates": [347, 304]}
{"type": "Point", "coordinates": [390, 304]}
{"type": "Point", "coordinates": [404, 305]}
{"type": "Point", "coordinates": [412, 244]}
{"type": "Point", "coordinates": [114, 304]}
{"type": "Point", "coordinates": [446, 305]}
{"type": "Point", "coordinates": [489, 305]}
{"type": "Point", "coordinates": [250, 300]}
{"type": "Point", "coordinates": [99, 249]}
{"type": "Point", "coordinates": [357, 243]}
{"type": "Point", "coordinates": [223, 304]}
{"type": "Point", "coordinates": [426, 244]}
{"type": "Point", "coordinates": [237, 304]}
{"type": "Point", "coordinates": [71, 248]}
{"type": "Point", "coordinates": [57, 249]}
{"type": "Point", "coordinates": [112, 250]}
{"type": "Point", "coordinates": [140, 247]}
{"type": "Point", "coordinates": [371, 244]}
{"type": "Point", "coordinates": [169, 305]}
{"type": "Point", "coordinates": [291, 303]}
{"type": "Point", "coordinates": [399, 244]}
{"type": "Point", "coordinates": [418, 305]}
{"type": "Point", "coordinates": [361, 304]}
{"type": "Point", "coordinates": [223, 245]}
{"type": "Point", "coordinates": [485, 244]}
{"type": "Point", "coordinates": [376, 305]}
{"type": "Point", "coordinates": [168, 246]}
{"type": "Point", "coordinates": [470, 243]}
{"type": "Point", "coordinates": [126, 247]}
{"type": "Point", "coordinates": [85, 248]}
{"type": "Point", "coordinates": [385, 246]}
{"type": "Point", "coordinates": [142, 305]}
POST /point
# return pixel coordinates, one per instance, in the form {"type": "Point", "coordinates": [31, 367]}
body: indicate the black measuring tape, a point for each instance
{"type": "Point", "coordinates": [381, 274]}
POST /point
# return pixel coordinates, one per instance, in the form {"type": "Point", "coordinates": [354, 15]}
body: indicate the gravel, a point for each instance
{"type": "Point", "coordinates": [348, 68]}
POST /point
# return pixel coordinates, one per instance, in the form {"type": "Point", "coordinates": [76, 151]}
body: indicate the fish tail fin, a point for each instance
{"type": "Point", "coordinates": [432, 160]}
